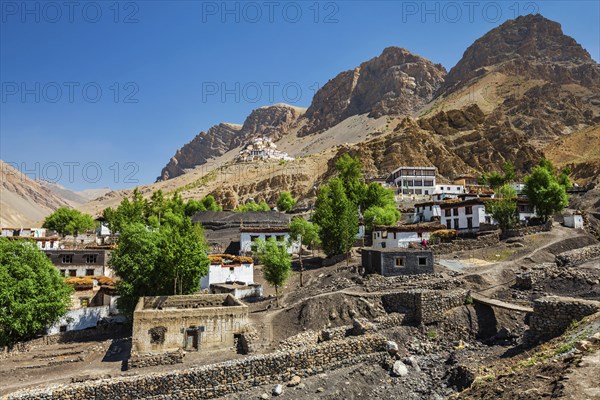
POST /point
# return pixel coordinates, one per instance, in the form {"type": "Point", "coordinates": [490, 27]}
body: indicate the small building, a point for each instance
{"type": "Point", "coordinates": [401, 236]}
{"type": "Point", "coordinates": [414, 180]}
{"type": "Point", "coordinates": [44, 239]}
{"type": "Point", "coordinates": [466, 180]}
{"type": "Point", "coordinates": [226, 268]}
{"type": "Point", "coordinates": [574, 221]}
{"type": "Point", "coordinates": [395, 261]}
{"type": "Point", "coordinates": [81, 262]}
{"type": "Point", "coordinates": [447, 191]}
{"type": "Point", "coordinates": [92, 300]}
{"type": "Point", "coordinates": [190, 322]}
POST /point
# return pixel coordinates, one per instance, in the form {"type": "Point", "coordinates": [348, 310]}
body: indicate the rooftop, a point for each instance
{"type": "Point", "coordinates": [229, 219]}
{"type": "Point", "coordinates": [190, 301]}
{"type": "Point", "coordinates": [421, 227]}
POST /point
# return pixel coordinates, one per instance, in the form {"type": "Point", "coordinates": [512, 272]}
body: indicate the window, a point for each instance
{"type": "Point", "coordinates": [469, 222]}
{"type": "Point", "coordinates": [448, 188]}
{"type": "Point", "coordinates": [280, 238]}
{"type": "Point", "coordinates": [468, 210]}
{"type": "Point", "coordinates": [383, 245]}
{"type": "Point", "coordinates": [418, 191]}
{"type": "Point", "coordinates": [399, 261]}
{"type": "Point", "coordinates": [456, 223]}
{"type": "Point", "coordinates": [448, 212]}
{"type": "Point", "coordinates": [89, 272]}
{"type": "Point", "coordinates": [63, 272]}
{"type": "Point", "coordinates": [67, 258]}
{"type": "Point", "coordinates": [418, 182]}
{"type": "Point", "coordinates": [90, 258]}
{"type": "Point", "coordinates": [267, 237]}
{"type": "Point", "coordinates": [384, 234]}
{"type": "Point", "coordinates": [427, 192]}
{"type": "Point", "coordinates": [429, 208]}
{"type": "Point", "coordinates": [72, 272]}
{"type": "Point", "coordinates": [62, 328]}
{"type": "Point", "coordinates": [427, 182]}
{"type": "Point", "coordinates": [84, 302]}
{"type": "Point", "coordinates": [449, 224]}
{"type": "Point", "coordinates": [253, 238]}
{"type": "Point", "coordinates": [455, 212]}
{"type": "Point", "coordinates": [422, 260]}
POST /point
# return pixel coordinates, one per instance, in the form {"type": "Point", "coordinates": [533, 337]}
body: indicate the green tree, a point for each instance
{"type": "Point", "coordinates": [276, 263]}
{"type": "Point", "coordinates": [337, 218]}
{"type": "Point", "coordinates": [376, 215]}
{"type": "Point", "coordinates": [68, 221]}
{"type": "Point", "coordinates": [510, 172]}
{"type": "Point", "coordinates": [159, 261]}
{"type": "Point", "coordinates": [504, 207]}
{"type": "Point", "coordinates": [563, 178]}
{"type": "Point", "coordinates": [128, 212]}
{"type": "Point", "coordinates": [544, 192]}
{"type": "Point", "coordinates": [308, 231]}
{"type": "Point", "coordinates": [495, 179]}
{"type": "Point", "coordinates": [33, 294]}
{"type": "Point", "coordinates": [351, 175]}
{"type": "Point", "coordinates": [252, 206]}
{"type": "Point", "coordinates": [285, 202]}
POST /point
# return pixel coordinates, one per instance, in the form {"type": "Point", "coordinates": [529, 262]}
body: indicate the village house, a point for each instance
{"type": "Point", "coordinates": [466, 180]}
{"type": "Point", "coordinates": [249, 237]}
{"type": "Point", "coordinates": [92, 300]}
{"type": "Point", "coordinates": [231, 274]}
{"type": "Point", "coordinates": [414, 180]}
{"type": "Point", "coordinates": [44, 239]}
{"type": "Point", "coordinates": [190, 322]}
{"type": "Point", "coordinates": [81, 262]}
{"type": "Point", "coordinates": [447, 191]}
{"type": "Point", "coordinates": [222, 229]}
{"type": "Point", "coordinates": [573, 221]}
{"type": "Point", "coordinates": [401, 236]}
{"type": "Point", "coordinates": [394, 261]}
{"type": "Point", "coordinates": [464, 215]}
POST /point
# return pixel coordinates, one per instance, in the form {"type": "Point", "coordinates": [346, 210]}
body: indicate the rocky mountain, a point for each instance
{"type": "Point", "coordinates": [397, 82]}
{"type": "Point", "coordinates": [24, 202]}
{"type": "Point", "coordinates": [522, 91]}
{"type": "Point", "coordinates": [529, 46]}
{"type": "Point", "coordinates": [272, 121]}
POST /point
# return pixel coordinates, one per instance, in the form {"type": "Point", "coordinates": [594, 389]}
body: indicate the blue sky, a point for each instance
{"type": "Point", "coordinates": [103, 93]}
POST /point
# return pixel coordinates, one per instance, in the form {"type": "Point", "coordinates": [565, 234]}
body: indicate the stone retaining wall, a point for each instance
{"type": "Point", "coordinates": [151, 360]}
{"type": "Point", "coordinates": [228, 377]}
{"type": "Point", "coordinates": [528, 230]}
{"type": "Point", "coordinates": [423, 306]}
{"type": "Point", "coordinates": [552, 315]}
{"type": "Point", "coordinates": [467, 244]}
{"type": "Point", "coordinates": [578, 256]}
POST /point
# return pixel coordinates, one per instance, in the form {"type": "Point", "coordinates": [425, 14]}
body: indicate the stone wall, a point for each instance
{"type": "Point", "coordinates": [552, 315]}
{"type": "Point", "coordinates": [578, 256]}
{"type": "Point", "coordinates": [217, 380]}
{"type": "Point", "coordinates": [528, 230]}
{"type": "Point", "coordinates": [482, 241]}
{"type": "Point", "coordinates": [423, 306]}
{"type": "Point", "coordinates": [150, 360]}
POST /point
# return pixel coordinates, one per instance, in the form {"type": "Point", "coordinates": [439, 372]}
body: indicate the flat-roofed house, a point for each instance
{"type": "Point", "coordinates": [414, 180]}
{"type": "Point", "coordinates": [401, 236]}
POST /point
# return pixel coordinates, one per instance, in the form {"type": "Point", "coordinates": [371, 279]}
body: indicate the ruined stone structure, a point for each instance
{"type": "Point", "coordinates": [552, 315]}
{"type": "Point", "coordinates": [397, 261]}
{"type": "Point", "coordinates": [191, 322]}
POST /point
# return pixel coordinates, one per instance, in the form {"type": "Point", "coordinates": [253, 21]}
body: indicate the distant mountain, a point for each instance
{"type": "Point", "coordinates": [23, 201]}
{"type": "Point", "coordinates": [272, 121]}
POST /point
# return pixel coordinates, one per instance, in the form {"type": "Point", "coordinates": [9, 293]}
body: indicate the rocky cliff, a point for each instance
{"type": "Point", "coordinates": [272, 121]}
{"type": "Point", "coordinates": [397, 82]}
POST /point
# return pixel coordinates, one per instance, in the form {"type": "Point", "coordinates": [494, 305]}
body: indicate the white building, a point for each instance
{"type": "Point", "coordinates": [447, 191]}
{"type": "Point", "coordinates": [465, 216]}
{"type": "Point", "coordinates": [262, 148]}
{"type": "Point", "coordinates": [223, 269]}
{"type": "Point", "coordinates": [574, 221]}
{"type": "Point", "coordinates": [250, 236]}
{"type": "Point", "coordinates": [414, 180]}
{"type": "Point", "coordinates": [386, 237]}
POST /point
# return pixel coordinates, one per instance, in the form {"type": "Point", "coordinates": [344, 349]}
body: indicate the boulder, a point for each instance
{"type": "Point", "coordinates": [277, 390]}
{"type": "Point", "coordinates": [295, 381]}
{"type": "Point", "coordinates": [399, 369]}
{"type": "Point", "coordinates": [391, 347]}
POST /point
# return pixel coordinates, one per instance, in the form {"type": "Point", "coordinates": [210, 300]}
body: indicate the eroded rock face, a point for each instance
{"type": "Point", "coordinates": [397, 82]}
{"type": "Point", "coordinates": [531, 46]}
{"type": "Point", "coordinates": [273, 121]}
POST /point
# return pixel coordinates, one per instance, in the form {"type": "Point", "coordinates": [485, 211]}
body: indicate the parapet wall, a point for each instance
{"type": "Point", "coordinates": [228, 377]}
{"type": "Point", "coordinates": [552, 315]}
{"type": "Point", "coordinates": [578, 256]}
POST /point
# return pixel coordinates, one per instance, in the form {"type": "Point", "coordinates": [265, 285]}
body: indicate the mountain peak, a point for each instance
{"type": "Point", "coordinates": [521, 43]}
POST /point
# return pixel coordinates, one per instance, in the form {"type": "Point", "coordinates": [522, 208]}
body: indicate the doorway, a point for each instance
{"type": "Point", "coordinates": [191, 339]}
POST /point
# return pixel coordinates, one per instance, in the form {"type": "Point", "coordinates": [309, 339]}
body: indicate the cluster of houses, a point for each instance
{"type": "Point", "coordinates": [262, 148]}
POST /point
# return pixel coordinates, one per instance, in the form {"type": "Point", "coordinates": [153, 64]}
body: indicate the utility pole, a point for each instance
{"type": "Point", "coordinates": [300, 259]}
